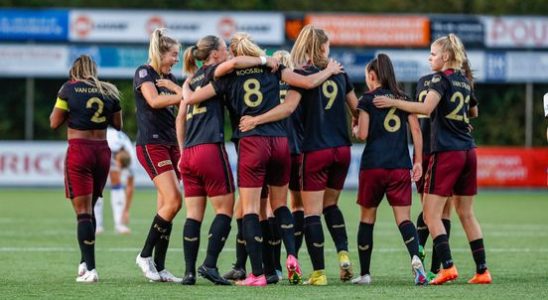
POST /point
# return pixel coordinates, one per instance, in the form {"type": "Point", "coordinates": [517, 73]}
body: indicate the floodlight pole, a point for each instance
{"type": "Point", "coordinates": [29, 109]}
{"type": "Point", "coordinates": [528, 114]}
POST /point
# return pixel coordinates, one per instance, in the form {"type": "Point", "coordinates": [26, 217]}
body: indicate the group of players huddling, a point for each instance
{"type": "Point", "coordinates": [291, 132]}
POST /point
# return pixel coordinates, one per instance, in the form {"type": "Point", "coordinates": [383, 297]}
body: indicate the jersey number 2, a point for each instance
{"type": "Point", "coordinates": [96, 118]}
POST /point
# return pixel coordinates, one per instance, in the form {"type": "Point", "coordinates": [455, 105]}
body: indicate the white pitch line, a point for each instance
{"type": "Point", "coordinates": [135, 250]}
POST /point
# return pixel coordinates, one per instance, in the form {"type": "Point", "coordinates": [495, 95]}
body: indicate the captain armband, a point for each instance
{"type": "Point", "coordinates": [61, 104]}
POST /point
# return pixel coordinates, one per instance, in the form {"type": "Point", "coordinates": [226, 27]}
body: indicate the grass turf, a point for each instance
{"type": "Point", "coordinates": [39, 253]}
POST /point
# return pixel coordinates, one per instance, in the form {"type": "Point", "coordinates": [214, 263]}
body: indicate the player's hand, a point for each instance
{"type": "Point", "coordinates": [273, 64]}
{"type": "Point", "coordinates": [247, 123]}
{"type": "Point", "coordinates": [383, 102]}
{"type": "Point", "coordinates": [416, 173]}
{"type": "Point", "coordinates": [170, 85]}
{"type": "Point", "coordinates": [334, 67]}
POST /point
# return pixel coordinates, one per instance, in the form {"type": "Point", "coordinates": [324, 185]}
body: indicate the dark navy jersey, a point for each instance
{"type": "Point", "coordinates": [386, 146]}
{"type": "Point", "coordinates": [154, 126]}
{"type": "Point", "coordinates": [87, 108]}
{"type": "Point", "coordinates": [205, 120]}
{"type": "Point", "coordinates": [450, 124]}
{"type": "Point", "coordinates": [295, 129]}
{"type": "Point", "coordinates": [253, 91]}
{"type": "Point", "coordinates": [422, 89]}
{"type": "Point", "coordinates": [324, 114]}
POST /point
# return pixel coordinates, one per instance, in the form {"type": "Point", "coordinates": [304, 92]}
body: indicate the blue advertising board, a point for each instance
{"type": "Point", "coordinates": [470, 29]}
{"type": "Point", "coordinates": [29, 24]}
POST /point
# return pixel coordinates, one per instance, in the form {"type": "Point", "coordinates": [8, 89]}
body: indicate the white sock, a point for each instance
{"type": "Point", "coordinates": [98, 212]}
{"type": "Point", "coordinates": [118, 201]}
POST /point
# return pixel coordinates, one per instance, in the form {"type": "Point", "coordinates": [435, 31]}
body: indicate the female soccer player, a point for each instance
{"type": "Point", "coordinates": [453, 165]}
{"type": "Point", "coordinates": [263, 153]}
{"type": "Point", "coordinates": [385, 165]}
{"type": "Point", "coordinates": [326, 147]}
{"type": "Point", "coordinates": [204, 165]}
{"type": "Point", "coordinates": [90, 106]}
{"type": "Point", "coordinates": [422, 89]}
{"type": "Point", "coordinates": [157, 149]}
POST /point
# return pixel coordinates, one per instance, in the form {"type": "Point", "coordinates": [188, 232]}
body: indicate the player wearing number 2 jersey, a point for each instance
{"type": "Point", "coordinates": [452, 168]}
{"type": "Point", "coordinates": [89, 106]}
{"type": "Point", "coordinates": [263, 153]}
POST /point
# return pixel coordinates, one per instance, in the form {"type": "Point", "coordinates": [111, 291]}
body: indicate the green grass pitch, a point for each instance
{"type": "Point", "coordinates": [39, 253]}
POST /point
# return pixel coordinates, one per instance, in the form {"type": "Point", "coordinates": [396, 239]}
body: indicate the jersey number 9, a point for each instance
{"type": "Point", "coordinates": [330, 90]}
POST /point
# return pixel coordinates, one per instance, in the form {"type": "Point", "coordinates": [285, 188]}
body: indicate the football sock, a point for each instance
{"type": "Point", "coordinates": [478, 251]}
{"type": "Point", "coordinates": [287, 229]}
{"type": "Point", "coordinates": [314, 241]}
{"type": "Point", "coordinates": [241, 253]}
{"type": "Point", "coordinates": [276, 242]}
{"type": "Point", "coordinates": [441, 243]}
{"type": "Point", "coordinates": [117, 201]}
{"type": "Point", "coordinates": [410, 238]}
{"type": "Point", "coordinates": [218, 233]}
{"type": "Point", "coordinates": [191, 243]}
{"type": "Point", "coordinates": [436, 262]}
{"type": "Point", "coordinates": [422, 230]}
{"type": "Point", "coordinates": [253, 242]}
{"type": "Point", "coordinates": [160, 250]}
{"type": "Point", "coordinates": [298, 218]}
{"type": "Point", "coordinates": [86, 239]}
{"type": "Point", "coordinates": [336, 226]}
{"type": "Point", "coordinates": [365, 246]}
{"type": "Point", "coordinates": [158, 227]}
{"type": "Point", "coordinates": [267, 246]}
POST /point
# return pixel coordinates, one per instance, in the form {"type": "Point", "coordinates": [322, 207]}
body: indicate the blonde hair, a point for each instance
{"type": "Point", "coordinates": [242, 45]}
{"type": "Point", "coordinates": [452, 45]}
{"type": "Point", "coordinates": [159, 45]}
{"type": "Point", "coordinates": [84, 69]}
{"type": "Point", "coordinates": [308, 47]}
{"type": "Point", "coordinates": [284, 58]}
{"type": "Point", "coordinates": [200, 51]}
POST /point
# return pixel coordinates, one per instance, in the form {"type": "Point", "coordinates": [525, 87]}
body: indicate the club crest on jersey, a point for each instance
{"type": "Point", "coordinates": [164, 163]}
{"type": "Point", "coordinates": [436, 78]}
{"type": "Point", "coordinates": [143, 73]}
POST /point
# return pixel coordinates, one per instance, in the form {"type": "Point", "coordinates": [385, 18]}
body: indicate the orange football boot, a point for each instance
{"type": "Point", "coordinates": [445, 275]}
{"type": "Point", "coordinates": [484, 278]}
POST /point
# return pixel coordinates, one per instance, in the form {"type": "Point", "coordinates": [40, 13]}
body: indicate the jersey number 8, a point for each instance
{"type": "Point", "coordinates": [96, 118]}
{"type": "Point", "coordinates": [252, 87]}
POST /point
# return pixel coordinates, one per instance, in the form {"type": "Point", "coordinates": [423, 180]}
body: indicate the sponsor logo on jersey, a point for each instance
{"type": "Point", "coordinates": [164, 163]}
{"type": "Point", "coordinates": [143, 73]}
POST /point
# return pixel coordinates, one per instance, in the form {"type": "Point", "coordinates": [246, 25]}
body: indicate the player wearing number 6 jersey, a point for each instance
{"type": "Point", "coordinates": [452, 168]}
{"type": "Point", "coordinates": [89, 106]}
{"type": "Point", "coordinates": [263, 153]}
{"type": "Point", "coordinates": [326, 147]}
{"type": "Point", "coordinates": [385, 165]}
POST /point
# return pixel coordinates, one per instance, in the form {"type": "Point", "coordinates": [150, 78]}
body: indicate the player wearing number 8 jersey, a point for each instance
{"type": "Point", "coordinates": [326, 147]}
{"type": "Point", "coordinates": [89, 106]}
{"type": "Point", "coordinates": [263, 153]}
{"type": "Point", "coordinates": [452, 168]}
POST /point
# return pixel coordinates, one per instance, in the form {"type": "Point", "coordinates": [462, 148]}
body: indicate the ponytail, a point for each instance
{"type": "Point", "coordinates": [382, 66]}
{"type": "Point", "coordinates": [308, 47]}
{"type": "Point", "coordinates": [242, 45]}
{"type": "Point", "coordinates": [84, 69]}
{"type": "Point", "coordinates": [201, 51]}
{"type": "Point", "coordinates": [452, 45]}
{"type": "Point", "coordinates": [159, 45]}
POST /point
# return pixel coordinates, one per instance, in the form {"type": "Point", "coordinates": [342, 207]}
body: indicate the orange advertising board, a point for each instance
{"type": "Point", "coordinates": [512, 167]}
{"type": "Point", "coordinates": [370, 30]}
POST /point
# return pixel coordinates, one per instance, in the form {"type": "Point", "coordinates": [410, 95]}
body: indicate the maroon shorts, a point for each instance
{"type": "Point", "coordinates": [374, 183]}
{"type": "Point", "coordinates": [263, 159]}
{"type": "Point", "coordinates": [326, 168]}
{"type": "Point", "coordinates": [295, 175]}
{"type": "Point", "coordinates": [420, 182]}
{"type": "Point", "coordinates": [205, 171]}
{"type": "Point", "coordinates": [86, 168]}
{"type": "Point", "coordinates": [157, 159]}
{"type": "Point", "coordinates": [452, 173]}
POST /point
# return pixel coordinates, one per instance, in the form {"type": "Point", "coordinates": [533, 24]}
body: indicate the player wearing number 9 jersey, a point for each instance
{"type": "Point", "coordinates": [452, 168]}
{"type": "Point", "coordinates": [263, 153]}
{"type": "Point", "coordinates": [89, 106]}
{"type": "Point", "coordinates": [326, 147]}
